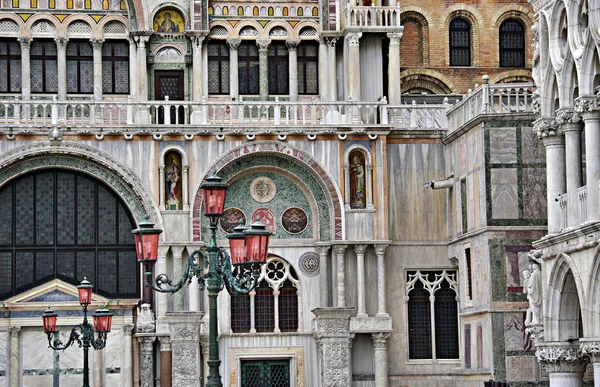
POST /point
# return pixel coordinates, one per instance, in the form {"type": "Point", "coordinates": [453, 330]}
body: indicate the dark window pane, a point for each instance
{"type": "Point", "coordinates": [6, 224]}
{"type": "Point", "coordinates": [115, 67]}
{"type": "Point", "coordinates": [6, 272]}
{"type": "Point", "coordinates": [278, 69]}
{"type": "Point", "coordinates": [240, 313]}
{"type": "Point", "coordinates": [264, 308]}
{"type": "Point", "coordinates": [44, 209]}
{"type": "Point", "coordinates": [460, 43]}
{"type": "Point", "coordinates": [419, 323]}
{"type": "Point", "coordinates": [218, 68]}
{"type": "Point", "coordinates": [10, 66]}
{"type": "Point", "coordinates": [446, 323]}
{"type": "Point", "coordinates": [288, 308]}
{"type": "Point", "coordinates": [512, 44]}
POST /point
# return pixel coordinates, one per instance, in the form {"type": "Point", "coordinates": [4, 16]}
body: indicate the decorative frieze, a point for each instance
{"type": "Point", "coordinates": [561, 358]}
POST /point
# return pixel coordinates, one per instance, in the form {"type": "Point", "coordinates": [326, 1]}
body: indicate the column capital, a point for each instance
{"type": "Point", "coordinates": [588, 106]}
{"type": "Point", "coordinates": [380, 339]}
{"type": "Point", "coordinates": [561, 357]}
{"type": "Point", "coordinates": [97, 43]}
{"type": "Point", "coordinates": [360, 249]}
{"type": "Point", "coordinates": [395, 38]}
{"type": "Point", "coordinates": [141, 38]}
{"type": "Point", "coordinates": [61, 42]}
{"type": "Point", "coordinates": [591, 348]}
{"type": "Point", "coordinates": [146, 343]}
{"type": "Point", "coordinates": [14, 330]}
{"type": "Point", "coordinates": [128, 329]}
{"type": "Point", "coordinates": [353, 38]}
{"type": "Point", "coordinates": [323, 250]}
{"type": "Point", "coordinates": [25, 41]}
{"type": "Point", "coordinates": [330, 41]}
{"type": "Point", "coordinates": [234, 43]}
{"type": "Point", "coordinates": [165, 343]}
{"type": "Point", "coordinates": [568, 119]}
{"type": "Point", "coordinates": [263, 44]}
{"type": "Point", "coordinates": [380, 249]}
{"type": "Point", "coordinates": [292, 44]}
{"type": "Point", "coordinates": [197, 41]}
{"type": "Point", "coordinates": [546, 129]}
{"type": "Point", "coordinates": [340, 249]}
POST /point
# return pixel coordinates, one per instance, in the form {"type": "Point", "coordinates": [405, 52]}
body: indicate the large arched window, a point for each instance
{"type": "Point", "coordinates": [10, 66]}
{"type": "Point", "coordinates": [272, 306]}
{"type": "Point", "coordinates": [67, 225]}
{"type": "Point", "coordinates": [432, 303]}
{"type": "Point", "coordinates": [512, 43]}
{"type": "Point", "coordinates": [460, 42]}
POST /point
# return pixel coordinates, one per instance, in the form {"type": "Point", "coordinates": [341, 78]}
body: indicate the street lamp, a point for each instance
{"type": "Point", "coordinates": [239, 272]}
{"type": "Point", "coordinates": [82, 334]}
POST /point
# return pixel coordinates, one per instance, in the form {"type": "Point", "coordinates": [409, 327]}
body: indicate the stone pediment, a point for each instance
{"type": "Point", "coordinates": [55, 293]}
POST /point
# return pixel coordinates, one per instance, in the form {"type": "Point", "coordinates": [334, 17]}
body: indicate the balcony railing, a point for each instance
{"type": "Point", "coordinates": [492, 99]}
{"type": "Point", "coordinates": [373, 16]}
{"type": "Point", "coordinates": [419, 117]}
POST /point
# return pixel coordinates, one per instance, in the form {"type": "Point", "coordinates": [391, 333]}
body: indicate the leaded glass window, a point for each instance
{"type": "Point", "coordinates": [67, 225]}
{"type": "Point", "coordinates": [115, 67]}
{"type": "Point", "coordinates": [432, 302]}
{"type": "Point", "coordinates": [44, 67]}
{"type": "Point", "coordinates": [240, 313]}
{"type": "Point", "coordinates": [288, 307]}
{"type": "Point", "coordinates": [218, 68]}
{"type": "Point", "coordinates": [308, 68]}
{"type": "Point", "coordinates": [279, 67]}
{"type": "Point", "coordinates": [10, 66]}
{"type": "Point", "coordinates": [80, 67]}
{"type": "Point", "coordinates": [512, 44]}
{"type": "Point", "coordinates": [460, 42]}
{"type": "Point", "coordinates": [248, 74]}
{"type": "Point", "coordinates": [264, 308]}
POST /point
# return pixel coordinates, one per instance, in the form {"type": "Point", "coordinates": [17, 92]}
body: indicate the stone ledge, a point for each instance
{"type": "Point", "coordinates": [370, 324]}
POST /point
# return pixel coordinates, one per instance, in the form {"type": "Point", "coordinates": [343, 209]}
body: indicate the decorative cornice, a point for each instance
{"type": "Point", "coordinates": [561, 358]}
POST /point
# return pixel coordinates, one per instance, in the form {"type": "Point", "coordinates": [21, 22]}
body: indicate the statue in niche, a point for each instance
{"type": "Point", "coordinates": [145, 319]}
{"type": "Point", "coordinates": [532, 286]}
{"type": "Point", "coordinates": [357, 180]}
{"type": "Point", "coordinates": [173, 180]}
{"type": "Point", "coordinates": [168, 21]}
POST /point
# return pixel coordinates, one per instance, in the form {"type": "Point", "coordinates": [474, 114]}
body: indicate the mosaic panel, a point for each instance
{"type": "Point", "coordinates": [231, 218]}
{"type": "Point", "coordinates": [309, 264]}
{"type": "Point", "coordinates": [294, 220]}
{"type": "Point", "coordinates": [266, 216]}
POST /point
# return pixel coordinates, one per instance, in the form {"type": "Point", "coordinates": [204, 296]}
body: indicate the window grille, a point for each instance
{"type": "Point", "coordinates": [44, 67]}
{"type": "Point", "coordinates": [248, 72]}
{"type": "Point", "coordinates": [264, 308]}
{"type": "Point", "coordinates": [460, 42]}
{"type": "Point", "coordinates": [80, 67]}
{"type": "Point", "coordinates": [66, 225]}
{"type": "Point", "coordinates": [115, 67]}
{"type": "Point", "coordinates": [308, 68]}
{"type": "Point", "coordinates": [307, 32]}
{"type": "Point", "coordinates": [79, 27]}
{"type": "Point", "coordinates": [114, 28]}
{"type": "Point", "coordinates": [279, 78]}
{"type": "Point", "coordinates": [288, 308]}
{"type": "Point", "coordinates": [219, 31]}
{"type": "Point", "coordinates": [7, 25]}
{"type": "Point", "coordinates": [10, 66]}
{"type": "Point", "coordinates": [512, 44]}
{"type": "Point", "coordinates": [240, 313]}
{"type": "Point", "coordinates": [218, 68]}
{"type": "Point", "coordinates": [432, 302]}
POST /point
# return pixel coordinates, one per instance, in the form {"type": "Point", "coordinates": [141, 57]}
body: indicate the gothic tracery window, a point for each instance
{"type": "Point", "coordinates": [10, 66]}
{"type": "Point", "coordinates": [460, 42]}
{"type": "Point", "coordinates": [432, 303]}
{"type": "Point", "coordinates": [272, 306]}
{"type": "Point", "coordinates": [512, 44]}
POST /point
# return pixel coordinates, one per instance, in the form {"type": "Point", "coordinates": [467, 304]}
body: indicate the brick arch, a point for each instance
{"type": "Point", "coordinates": [430, 80]}
{"type": "Point", "coordinates": [327, 183]}
{"type": "Point", "coordinates": [474, 17]}
{"type": "Point", "coordinates": [512, 76]}
{"type": "Point", "coordinates": [410, 40]}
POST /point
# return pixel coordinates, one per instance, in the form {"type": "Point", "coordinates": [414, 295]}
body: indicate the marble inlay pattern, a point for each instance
{"type": "Point", "coordinates": [309, 264]}
{"type": "Point", "coordinates": [503, 145]}
{"type": "Point", "coordinates": [534, 193]}
{"type": "Point", "coordinates": [3, 353]}
{"type": "Point", "coordinates": [514, 332]}
{"type": "Point", "coordinates": [505, 201]}
{"type": "Point", "coordinates": [532, 149]}
{"type": "Point", "coordinates": [521, 368]}
{"type": "Point", "coordinates": [231, 218]}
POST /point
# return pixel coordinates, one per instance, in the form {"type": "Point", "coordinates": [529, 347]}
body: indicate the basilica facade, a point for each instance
{"type": "Point", "coordinates": [402, 231]}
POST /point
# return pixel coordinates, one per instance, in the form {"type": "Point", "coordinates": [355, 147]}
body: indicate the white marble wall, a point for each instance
{"type": "Point", "coordinates": [4, 358]}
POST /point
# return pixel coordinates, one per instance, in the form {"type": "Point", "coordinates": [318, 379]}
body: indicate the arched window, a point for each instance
{"type": "Point", "coordinates": [308, 68]}
{"type": "Point", "coordinates": [432, 303]}
{"type": "Point", "coordinates": [218, 67]}
{"type": "Point", "coordinates": [460, 42]}
{"type": "Point", "coordinates": [248, 77]}
{"type": "Point", "coordinates": [63, 224]}
{"type": "Point", "coordinates": [115, 67]}
{"type": "Point", "coordinates": [279, 79]}
{"type": "Point", "coordinates": [44, 67]}
{"type": "Point", "coordinates": [80, 67]}
{"type": "Point", "coordinates": [272, 306]}
{"type": "Point", "coordinates": [10, 66]}
{"type": "Point", "coordinates": [512, 43]}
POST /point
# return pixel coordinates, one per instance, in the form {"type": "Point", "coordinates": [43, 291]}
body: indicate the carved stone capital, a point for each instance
{"type": "Point", "coordinates": [331, 41]}
{"type": "Point", "coordinates": [146, 344]}
{"type": "Point", "coordinates": [536, 332]}
{"type": "Point", "coordinates": [234, 43]}
{"type": "Point", "coordinates": [380, 339]}
{"type": "Point", "coordinates": [185, 326]}
{"type": "Point", "coordinates": [25, 41]}
{"type": "Point", "coordinates": [332, 323]}
{"type": "Point", "coordinates": [353, 38]}
{"type": "Point", "coordinates": [561, 358]}
{"type": "Point", "coordinates": [263, 44]}
{"type": "Point", "coordinates": [360, 249]}
{"type": "Point", "coordinates": [97, 43]}
{"type": "Point", "coordinates": [588, 106]}
{"type": "Point", "coordinates": [339, 249]}
{"type": "Point", "coordinates": [165, 343]}
{"type": "Point", "coordinates": [546, 129]}
{"type": "Point", "coordinates": [14, 331]}
{"type": "Point", "coordinates": [380, 249]}
{"type": "Point", "coordinates": [395, 38]}
{"type": "Point", "coordinates": [292, 44]}
{"type": "Point", "coordinates": [61, 42]}
{"type": "Point", "coordinates": [128, 329]}
{"type": "Point", "coordinates": [568, 119]}
{"type": "Point", "coordinates": [323, 250]}
{"type": "Point", "coordinates": [197, 41]}
{"type": "Point", "coordinates": [591, 349]}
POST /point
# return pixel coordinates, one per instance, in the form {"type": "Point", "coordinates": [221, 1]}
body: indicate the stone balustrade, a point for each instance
{"type": "Point", "coordinates": [419, 116]}
{"type": "Point", "coordinates": [572, 216]}
{"type": "Point", "coordinates": [372, 17]}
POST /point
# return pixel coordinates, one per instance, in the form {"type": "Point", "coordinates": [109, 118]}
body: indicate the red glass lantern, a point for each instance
{"type": "Point", "coordinates": [237, 244]}
{"type": "Point", "coordinates": [257, 242]}
{"type": "Point", "coordinates": [146, 241]}
{"type": "Point", "coordinates": [85, 292]}
{"type": "Point", "coordinates": [214, 196]}
{"type": "Point", "coordinates": [102, 320]}
{"type": "Point", "coordinates": [49, 319]}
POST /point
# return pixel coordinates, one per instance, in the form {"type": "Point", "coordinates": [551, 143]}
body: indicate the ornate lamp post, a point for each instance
{"type": "Point", "coordinates": [239, 272]}
{"type": "Point", "coordinates": [82, 334]}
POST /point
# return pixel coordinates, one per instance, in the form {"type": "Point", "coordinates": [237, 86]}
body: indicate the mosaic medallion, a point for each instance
{"type": "Point", "coordinates": [266, 217]}
{"type": "Point", "coordinates": [231, 217]}
{"type": "Point", "coordinates": [309, 264]}
{"type": "Point", "coordinates": [263, 189]}
{"type": "Point", "coordinates": [294, 220]}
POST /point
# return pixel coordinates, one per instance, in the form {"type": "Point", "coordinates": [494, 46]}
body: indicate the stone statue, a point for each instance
{"type": "Point", "coordinates": [145, 319]}
{"type": "Point", "coordinates": [357, 183]}
{"type": "Point", "coordinates": [532, 286]}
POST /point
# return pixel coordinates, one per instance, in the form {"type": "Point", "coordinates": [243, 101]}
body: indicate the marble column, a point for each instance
{"type": "Point", "coordinates": [292, 45]}
{"type": "Point", "coordinates": [591, 348]}
{"type": "Point", "coordinates": [569, 123]}
{"type": "Point", "coordinates": [133, 85]}
{"type": "Point", "coordinates": [185, 188]}
{"type": "Point", "coordinates": [323, 71]}
{"type": "Point", "coordinates": [178, 265]}
{"type": "Point", "coordinates": [332, 331]}
{"type": "Point", "coordinates": [565, 363]}
{"type": "Point", "coordinates": [162, 299]}
{"type": "Point", "coordinates": [196, 77]}
{"type": "Point", "coordinates": [142, 114]}
{"type": "Point", "coordinates": [194, 295]}
{"type": "Point", "coordinates": [323, 252]}
{"type": "Point", "coordinates": [276, 311]}
{"type": "Point", "coordinates": [347, 185]}
{"type": "Point", "coordinates": [359, 250]}
{"type": "Point", "coordinates": [97, 47]}
{"type": "Point", "coordinates": [234, 88]}
{"type": "Point", "coordinates": [127, 357]}
{"type": "Point", "coordinates": [353, 39]}
{"type": "Point", "coordinates": [25, 68]}
{"type": "Point", "coordinates": [380, 358]}
{"type": "Point", "coordinates": [589, 108]}
{"type": "Point", "coordinates": [341, 285]}
{"type": "Point", "coordinates": [161, 187]}
{"type": "Point", "coordinates": [369, 187]}
{"type": "Point", "coordinates": [14, 373]}
{"type": "Point", "coordinates": [380, 253]}
{"type": "Point", "coordinates": [332, 70]}
{"type": "Point", "coordinates": [61, 64]}
{"type": "Point", "coordinates": [394, 68]}
{"type": "Point", "coordinates": [263, 67]}
{"type": "Point", "coordinates": [97, 368]}
{"type": "Point", "coordinates": [166, 366]}
{"type": "Point", "coordinates": [554, 143]}
{"type": "Point", "coordinates": [185, 328]}
{"type": "Point", "coordinates": [146, 359]}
